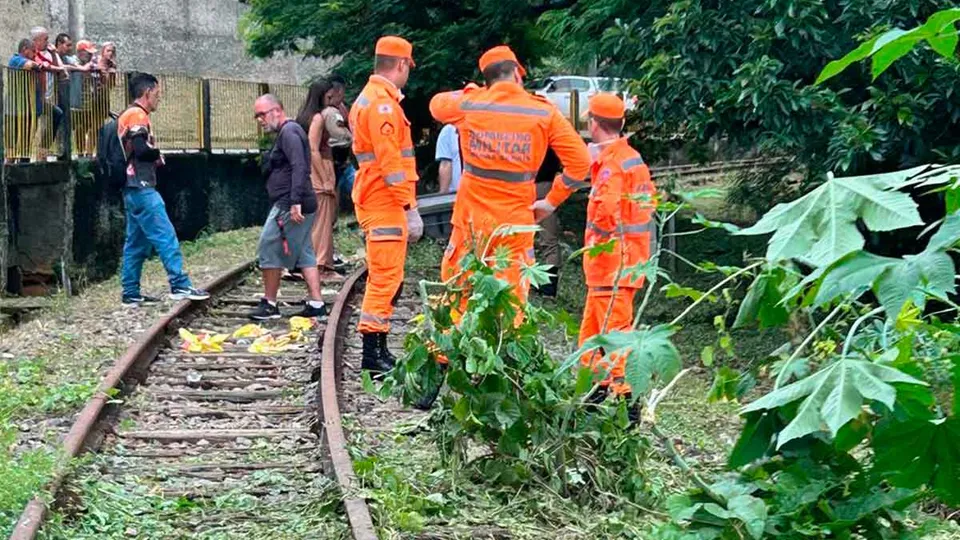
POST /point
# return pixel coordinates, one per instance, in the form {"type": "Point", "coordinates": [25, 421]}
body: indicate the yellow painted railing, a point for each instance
{"type": "Point", "coordinates": [292, 96]}
{"type": "Point", "coordinates": [232, 126]}
{"type": "Point", "coordinates": [30, 115]}
{"type": "Point", "coordinates": [194, 114]}
{"type": "Point", "coordinates": [178, 122]}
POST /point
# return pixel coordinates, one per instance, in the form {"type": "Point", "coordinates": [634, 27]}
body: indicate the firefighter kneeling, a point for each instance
{"type": "Point", "coordinates": [619, 211]}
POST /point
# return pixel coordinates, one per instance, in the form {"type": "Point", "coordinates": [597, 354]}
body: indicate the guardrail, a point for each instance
{"type": "Point", "coordinates": [43, 113]}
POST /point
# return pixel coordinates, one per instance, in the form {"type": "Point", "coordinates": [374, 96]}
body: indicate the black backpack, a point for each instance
{"type": "Point", "coordinates": [111, 158]}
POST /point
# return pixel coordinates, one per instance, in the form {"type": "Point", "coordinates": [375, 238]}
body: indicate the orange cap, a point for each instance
{"type": "Point", "coordinates": [395, 46]}
{"type": "Point", "coordinates": [606, 105]}
{"type": "Point", "coordinates": [86, 45]}
{"type": "Point", "coordinates": [501, 53]}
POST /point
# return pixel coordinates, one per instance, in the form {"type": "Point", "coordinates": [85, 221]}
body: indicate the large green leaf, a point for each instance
{"type": "Point", "coordinates": [763, 302]}
{"type": "Point", "coordinates": [833, 396]}
{"type": "Point", "coordinates": [895, 281]}
{"type": "Point", "coordinates": [649, 355]}
{"type": "Point", "coordinates": [820, 227]}
{"type": "Point", "coordinates": [918, 452]}
{"type": "Point", "coordinates": [886, 48]}
{"type": "Point", "coordinates": [751, 511]}
{"type": "Point", "coordinates": [755, 439]}
{"type": "Point", "coordinates": [948, 235]}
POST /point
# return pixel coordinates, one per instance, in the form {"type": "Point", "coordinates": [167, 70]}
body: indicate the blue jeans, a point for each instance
{"type": "Point", "coordinates": [148, 227]}
{"type": "Point", "coordinates": [345, 180]}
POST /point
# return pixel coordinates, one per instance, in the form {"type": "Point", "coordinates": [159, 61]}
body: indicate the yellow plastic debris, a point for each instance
{"type": "Point", "coordinates": [300, 323]}
{"type": "Point", "coordinates": [201, 343]}
{"type": "Point", "coordinates": [269, 344]}
{"type": "Point", "coordinates": [249, 331]}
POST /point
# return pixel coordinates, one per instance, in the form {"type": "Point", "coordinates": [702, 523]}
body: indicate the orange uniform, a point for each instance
{"type": "Point", "coordinates": [620, 210]}
{"type": "Point", "coordinates": [384, 190]}
{"type": "Point", "coordinates": [504, 136]}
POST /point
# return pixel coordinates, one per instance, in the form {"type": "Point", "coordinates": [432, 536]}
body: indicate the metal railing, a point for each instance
{"type": "Point", "coordinates": [194, 114]}
{"type": "Point", "coordinates": [92, 96]}
{"type": "Point", "coordinates": [232, 126]}
{"type": "Point", "coordinates": [31, 116]}
{"type": "Point", "coordinates": [178, 121]}
{"type": "Point", "coordinates": [292, 96]}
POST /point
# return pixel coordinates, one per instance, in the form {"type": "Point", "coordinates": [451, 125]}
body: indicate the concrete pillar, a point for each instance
{"type": "Point", "coordinates": [75, 19]}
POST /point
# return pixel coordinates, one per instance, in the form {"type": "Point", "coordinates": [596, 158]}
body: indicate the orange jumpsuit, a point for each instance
{"type": "Point", "coordinates": [620, 209]}
{"type": "Point", "coordinates": [504, 136]}
{"type": "Point", "coordinates": [384, 189]}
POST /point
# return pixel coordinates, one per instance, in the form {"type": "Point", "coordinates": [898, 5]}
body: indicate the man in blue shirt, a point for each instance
{"type": "Point", "coordinates": [24, 57]}
{"type": "Point", "coordinates": [448, 154]}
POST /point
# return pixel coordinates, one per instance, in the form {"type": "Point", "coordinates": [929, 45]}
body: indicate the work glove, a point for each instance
{"type": "Point", "coordinates": [414, 225]}
{"type": "Point", "coordinates": [542, 210]}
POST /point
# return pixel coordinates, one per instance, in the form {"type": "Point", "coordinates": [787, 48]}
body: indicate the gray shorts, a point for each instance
{"type": "Point", "coordinates": [299, 254]}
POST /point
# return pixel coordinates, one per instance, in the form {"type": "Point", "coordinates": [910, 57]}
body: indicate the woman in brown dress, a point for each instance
{"type": "Point", "coordinates": [322, 175]}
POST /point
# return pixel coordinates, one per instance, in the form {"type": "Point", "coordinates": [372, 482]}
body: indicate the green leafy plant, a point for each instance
{"type": "Point", "coordinates": [845, 448]}
{"type": "Point", "coordinates": [528, 412]}
{"type": "Point", "coordinates": [939, 31]}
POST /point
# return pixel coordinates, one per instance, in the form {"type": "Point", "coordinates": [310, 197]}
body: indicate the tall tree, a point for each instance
{"type": "Point", "coordinates": [448, 36]}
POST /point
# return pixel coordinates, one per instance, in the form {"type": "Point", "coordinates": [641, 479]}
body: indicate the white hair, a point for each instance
{"type": "Point", "coordinates": [38, 31]}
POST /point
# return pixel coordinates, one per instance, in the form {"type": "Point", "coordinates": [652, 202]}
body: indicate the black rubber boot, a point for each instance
{"type": "Point", "coordinates": [427, 400]}
{"type": "Point", "coordinates": [371, 355]}
{"type": "Point", "coordinates": [386, 357]}
{"type": "Point", "coordinates": [549, 290]}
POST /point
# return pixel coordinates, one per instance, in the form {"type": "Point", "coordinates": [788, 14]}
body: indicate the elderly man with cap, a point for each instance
{"type": "Point", "coordinates": [504, 135]}
{"type": "Point", "coordinates": [619, 213]}
{"type": "Point", "coordinates": [384, 192]}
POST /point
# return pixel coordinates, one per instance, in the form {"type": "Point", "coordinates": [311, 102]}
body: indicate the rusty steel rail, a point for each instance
{"type": "Point", "coordinates": [358, 514]}
{"type": "Point", "coordinates": [86, 434]}
{"type": "Point", "coordinates": [84, 429]}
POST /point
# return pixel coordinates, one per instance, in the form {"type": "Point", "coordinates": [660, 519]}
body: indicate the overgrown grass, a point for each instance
{"type": "Point", "coordinates": [113, 510]}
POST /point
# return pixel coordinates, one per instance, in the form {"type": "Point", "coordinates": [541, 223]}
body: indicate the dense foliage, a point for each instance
{"type": "Point", "coordinates": [743, 70]}
{"type": "Point", "coordinates": [504, 392]}
{"type": "Point", "coordinates": [448, 37]}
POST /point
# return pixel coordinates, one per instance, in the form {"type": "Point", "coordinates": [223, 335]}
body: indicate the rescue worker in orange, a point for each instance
{"type": "Point", "coordinates": [504, 136]}
{"type": "Point", "coordinates": [384, 194]}
{"type": "Point", "coordinates": [619, 212]}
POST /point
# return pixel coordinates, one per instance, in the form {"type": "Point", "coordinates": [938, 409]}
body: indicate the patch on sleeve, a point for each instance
{"type": "Point", "coordinates": [385, 108]}
{"type": "Point", "coordinates": [386, 128]}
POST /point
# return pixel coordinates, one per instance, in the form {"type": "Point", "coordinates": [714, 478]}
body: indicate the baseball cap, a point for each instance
{"type": "Point", "coordinates": [500, 53]}
{"type": "Point", "coordinates": [86, 45]}
{"type": "Point", "coordinates": [607, 105]}
{"type": "Point", "coordinates": [395, 46]}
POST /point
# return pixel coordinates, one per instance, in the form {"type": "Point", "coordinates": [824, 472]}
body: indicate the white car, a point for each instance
{"type": "Point", "coordinates": [557, 89]}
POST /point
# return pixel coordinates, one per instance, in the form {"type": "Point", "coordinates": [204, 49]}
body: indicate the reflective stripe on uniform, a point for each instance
{"type": "Point", "coordinates": [631, 163]}
{"type": "Point", "coordinates": [497, 107]}
{"type": "Point", "coordinates": [622, 229]}
{"type": "Point", "coordinates": [367, 317]}
{"type": "Point", "coordinates": [367, 157]}
{"type": "Point", "coordinates": [394, 178]}
{"type": "Point", "coordinates": [386, 231]}
{"type": "Point", "coordinates": [601, 289]}
{"type": "Point", "coordinates": [571, 183]}
{"type": "Point", "coordinates": [640, 228]}
{"type": "Point", "coordinates": [505, 176]}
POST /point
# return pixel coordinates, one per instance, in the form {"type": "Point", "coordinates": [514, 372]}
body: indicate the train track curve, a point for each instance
{"type": "Point", "coordinates": [188, 420]}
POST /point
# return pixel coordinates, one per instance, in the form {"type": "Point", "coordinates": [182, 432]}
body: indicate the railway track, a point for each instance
{"type": "Point", "coordinates": [198, 425]}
